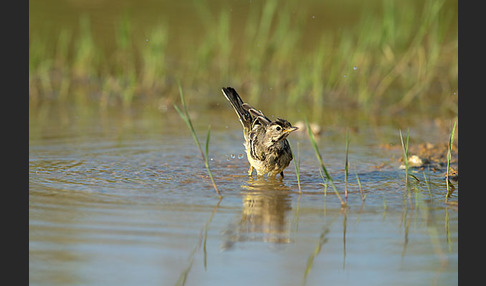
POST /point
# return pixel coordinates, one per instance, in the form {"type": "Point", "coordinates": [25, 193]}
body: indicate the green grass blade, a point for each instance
{"type": "Point", "coordinates": [319, 158]}
{"type": "Point", "coordinates": [206, 161]}
{"type": "Point", "coordinates": [207, 140]}
{"type": "Point", "coordinates": [184, 114]}
{"type": "Point", "coordinates": [346, 165]}
{"type": "Point", "coordinates": [297, 167]}
{"type": "Point", "coordinates": [449, 156]}
{"type": "Point", "coordinates": [360, 188]}
{"type": "Point", "coordinates": [405, 155]}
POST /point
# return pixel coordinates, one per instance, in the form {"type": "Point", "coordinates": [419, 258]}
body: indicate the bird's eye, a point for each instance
{"type": "Point", "coordinates": [278, 128]}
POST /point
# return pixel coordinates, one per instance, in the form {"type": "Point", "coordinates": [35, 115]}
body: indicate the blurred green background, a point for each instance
{"type": "Point", "coordinates": [378, 56]}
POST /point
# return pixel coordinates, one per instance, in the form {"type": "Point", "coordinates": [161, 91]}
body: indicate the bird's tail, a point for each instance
{"type": "Point", "coordinates": [235, 100]}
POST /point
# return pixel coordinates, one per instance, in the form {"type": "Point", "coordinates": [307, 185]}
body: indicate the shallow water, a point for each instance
{"type": "Point", "coordinates": [121, 197]}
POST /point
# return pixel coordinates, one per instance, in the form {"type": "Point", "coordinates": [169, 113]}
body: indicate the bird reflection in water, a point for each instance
{"type": "Point", "coordinates": [266, 203]}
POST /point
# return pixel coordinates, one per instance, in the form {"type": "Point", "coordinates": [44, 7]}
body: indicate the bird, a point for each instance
{"type": "Point", "coordinates": [267, 148]}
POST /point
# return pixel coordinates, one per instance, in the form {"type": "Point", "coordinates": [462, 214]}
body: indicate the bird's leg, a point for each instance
{"type": "Point", "coordinates": [281, 174]}
{"type": "Point", "coordinates": [250, 171]}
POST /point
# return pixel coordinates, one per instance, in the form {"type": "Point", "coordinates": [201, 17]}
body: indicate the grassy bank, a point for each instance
{"type": "Point", "coordinates": [403, 57]}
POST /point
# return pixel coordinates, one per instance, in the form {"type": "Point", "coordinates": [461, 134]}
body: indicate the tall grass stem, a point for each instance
{"type": "Point", "coordinates": [449, 156]}
{"type": "Point", "coordinates": [185, 116]}
{"type": "Point", "coordinates": [323, 167]}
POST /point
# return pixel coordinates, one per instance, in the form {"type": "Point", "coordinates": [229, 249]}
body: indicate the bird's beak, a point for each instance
{"type": "Point", "coordinates": [291, 129]}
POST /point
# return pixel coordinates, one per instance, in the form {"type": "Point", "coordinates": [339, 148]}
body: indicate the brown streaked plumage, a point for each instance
{"type": "Point", "coordinates": [267, 148]}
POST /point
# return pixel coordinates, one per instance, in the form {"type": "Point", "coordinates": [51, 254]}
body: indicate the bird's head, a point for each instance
{"type": "Point", "coordinates": [279, 130]}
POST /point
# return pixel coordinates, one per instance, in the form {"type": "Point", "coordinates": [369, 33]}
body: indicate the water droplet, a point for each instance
{"type": "Point", "coordinates": [313, 17]}
{"type": "Point", "coordinates": [355, 68]}
{"type": "Point", "coordinates": [240, 156]}
{"type": "Point", "coordinates": [211, 159]}
{"type": "Point", "coordinates": [233, 156]}
{"type": "Point", "coordinates": [146, 40]}
{"type": "Point", "coordinates": [344, 75]}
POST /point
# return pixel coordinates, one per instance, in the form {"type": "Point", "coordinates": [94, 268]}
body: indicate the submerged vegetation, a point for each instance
{"type": "Point", "coordinates": [382, 62]}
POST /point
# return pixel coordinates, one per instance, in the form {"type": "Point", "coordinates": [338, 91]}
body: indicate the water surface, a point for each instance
{"type": "Point", "coordinates": [121, 197]}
